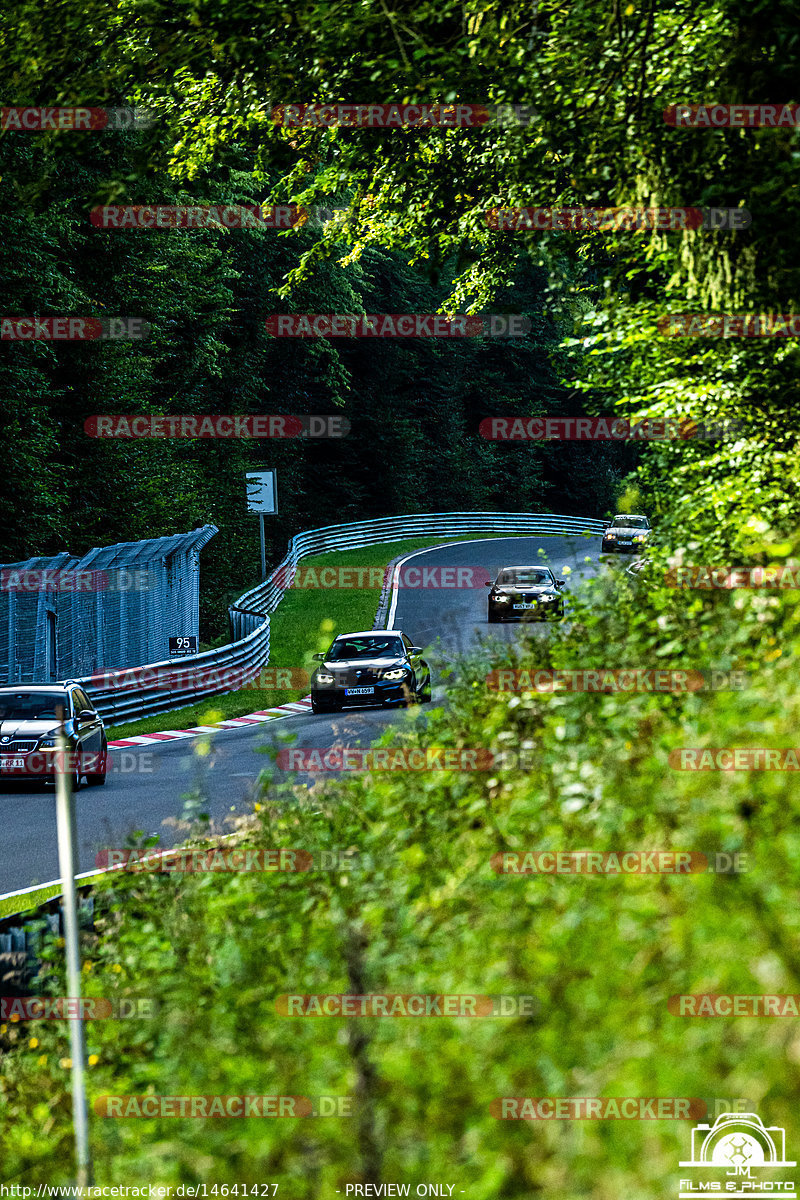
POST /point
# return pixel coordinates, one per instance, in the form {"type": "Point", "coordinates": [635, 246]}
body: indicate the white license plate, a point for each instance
{"type": "Point", "coordinates": [12, 764]}
{"type": "Point", "coordinates": [362, 691]}
{"type": "Point", "coordinates": [625, 541]}
{"type": "Point", "coordinates": [531, 605]}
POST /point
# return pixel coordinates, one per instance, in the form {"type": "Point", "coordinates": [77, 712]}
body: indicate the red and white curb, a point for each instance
{"type": "Point", "coordinates": [293, 708]}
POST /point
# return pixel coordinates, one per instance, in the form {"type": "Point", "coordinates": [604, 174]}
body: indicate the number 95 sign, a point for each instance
{"type": "Point", "coordinates": [182, 645]}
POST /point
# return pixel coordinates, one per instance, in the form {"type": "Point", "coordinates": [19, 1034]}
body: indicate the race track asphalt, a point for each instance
{"type": "Point", "coordinates": [448, 620]}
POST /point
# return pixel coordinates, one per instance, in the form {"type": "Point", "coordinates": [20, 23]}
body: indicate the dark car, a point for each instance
{"type": "Point", "coordinates": [29, 717]}
{"type": "Point", "coordinates": [525, 594]}
{"type": "Point", "coordinates": [373, 667]}
{"type": "Point", "coordinates": [628, 532]}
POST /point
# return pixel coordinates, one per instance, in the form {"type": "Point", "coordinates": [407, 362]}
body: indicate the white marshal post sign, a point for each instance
{"type": "Point", "coordinates": [262, 497]}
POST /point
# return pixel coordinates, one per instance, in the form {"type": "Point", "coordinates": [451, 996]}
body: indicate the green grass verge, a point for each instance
{"type": "Point", "coordinates": [305, 622]}
{"type": "Point", "coordinates": [12, 905]}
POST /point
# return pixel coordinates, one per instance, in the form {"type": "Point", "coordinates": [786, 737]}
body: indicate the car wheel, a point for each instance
{"type": "Point", "coordinates": [494, 618]}
{"type": "Point", "coordinates": [98, 778]}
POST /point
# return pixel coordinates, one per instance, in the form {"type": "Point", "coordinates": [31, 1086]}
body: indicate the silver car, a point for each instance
{"type": "Point", "coordinates": [29, 720]}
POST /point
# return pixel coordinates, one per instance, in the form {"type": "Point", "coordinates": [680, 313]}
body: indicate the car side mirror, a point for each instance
{"type": "Point", "coordinates": [490, 585]}
{"type": "Point", "coordinates": [87, 714]}
{"type": "Point", "coordinates": [319, 657]}
{"type": "Point", "coordinates": [561, 582]}
{"type": "Point", "coordinates": [416, 650]}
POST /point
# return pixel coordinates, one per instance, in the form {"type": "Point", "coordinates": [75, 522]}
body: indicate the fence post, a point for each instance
{"type": "Point", "coordinates": [68, 865]}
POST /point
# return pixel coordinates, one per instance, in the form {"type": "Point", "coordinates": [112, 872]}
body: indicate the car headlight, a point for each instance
{"type": "Point", "coordinates": [548, 599]}
{"type": "Point", "coordinates": [395, 673]}
{"type": "Point", "coordinates": [500, 598]}
{"type": "Point", "coordinates": [324, 677]}
{"type": "Point", "coordinates": [610, 537]}
{"type": "Point", "coordinates": [47, 743]}
{"type": "Point", "coordinates": [639, 537]}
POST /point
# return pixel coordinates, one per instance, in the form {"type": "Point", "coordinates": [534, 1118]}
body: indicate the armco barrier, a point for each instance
{"type": "Point", "coordinates": [20, 945]}
{"type": "Point", "coordinates": [248, 653]}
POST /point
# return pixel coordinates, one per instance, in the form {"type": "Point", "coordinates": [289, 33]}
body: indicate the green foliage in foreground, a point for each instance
{"type": "Point", "coordinates": [427, 913]}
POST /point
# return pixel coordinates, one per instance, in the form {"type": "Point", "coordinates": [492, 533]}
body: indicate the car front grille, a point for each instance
{"type": "Point", "coordinates": [19, 747]}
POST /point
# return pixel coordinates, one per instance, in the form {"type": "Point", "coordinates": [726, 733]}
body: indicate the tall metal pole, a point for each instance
{"type": "Point", "coordinates": [68, 867]}
{"type": "Point", "coordinates": [263, 548]}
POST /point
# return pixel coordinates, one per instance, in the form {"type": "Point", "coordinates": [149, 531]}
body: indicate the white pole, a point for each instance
{"type": "Point", "coordinates": [68, 866]}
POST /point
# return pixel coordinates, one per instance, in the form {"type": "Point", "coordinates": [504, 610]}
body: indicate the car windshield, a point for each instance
{"type": "Point", "coordinates": [524, 578]}
{"type": "Point", "coordinates": [629, 523]}
{"type": "Point", "coordinates": [365, 648]}
{"type": "Point", "coordinates": [31, 706]}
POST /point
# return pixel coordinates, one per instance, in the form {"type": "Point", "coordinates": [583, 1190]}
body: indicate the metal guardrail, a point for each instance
{"type": "Point", "coordinates": [20, 945]}
{"type": "Point", "coordinates": [210, 673]}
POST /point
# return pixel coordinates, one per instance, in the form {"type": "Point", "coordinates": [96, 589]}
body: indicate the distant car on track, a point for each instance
{"type": "Point", "coordinates": [28, 727]}
{"type": "Point", "coordinates": [372, 667]}
{"type": "Point", "coordinates": [628, 532]}
{"type": "Point", "coordinates": [525, 594]}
